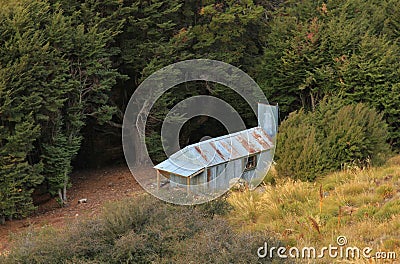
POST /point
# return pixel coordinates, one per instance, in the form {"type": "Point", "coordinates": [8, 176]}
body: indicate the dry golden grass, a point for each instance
{"type": "Point", "coordinates": [363, 205]}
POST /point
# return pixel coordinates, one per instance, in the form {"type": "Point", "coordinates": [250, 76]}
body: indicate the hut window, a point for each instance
{"type": "Point", "coordinates": [251, 162]}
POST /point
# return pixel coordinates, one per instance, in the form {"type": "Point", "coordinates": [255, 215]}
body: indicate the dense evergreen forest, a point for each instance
{"type": "Point", "coordinates": [69, 67]}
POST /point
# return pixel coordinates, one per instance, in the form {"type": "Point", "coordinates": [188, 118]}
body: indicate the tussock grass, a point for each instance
{"type": "Point", "coordinates": [363, 205]}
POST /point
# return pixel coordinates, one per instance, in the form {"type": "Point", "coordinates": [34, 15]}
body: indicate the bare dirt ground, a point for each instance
{"type": "Point", "coordinates": [97, 186]}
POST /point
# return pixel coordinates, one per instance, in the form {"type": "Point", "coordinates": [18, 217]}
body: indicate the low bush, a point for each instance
{"type": "Point", "coordinates": [219, 206]}
{"type": "Point", "coordinates": [143, 230]}
{"type": "Point", "coordinates": [298, 151]}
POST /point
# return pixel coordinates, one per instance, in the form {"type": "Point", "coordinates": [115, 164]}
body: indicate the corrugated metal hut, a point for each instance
{"type": "Point", "coordinates": [213, 163]}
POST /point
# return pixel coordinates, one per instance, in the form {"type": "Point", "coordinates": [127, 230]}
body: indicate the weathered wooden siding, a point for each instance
{"type": "Point", "coordinates": [220, 175]}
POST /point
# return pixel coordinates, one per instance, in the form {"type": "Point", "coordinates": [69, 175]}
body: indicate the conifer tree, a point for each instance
{"type": "Point", "coordinates": [55, 72]}
{"type": "Point", "coordinates": [17, 176]}
{"type": "Point", "coordinates": [334, 48]}
{"type": "Point", "coordinates": [86, 47]}
{"type": "Point", "coordinates": [28, 68]}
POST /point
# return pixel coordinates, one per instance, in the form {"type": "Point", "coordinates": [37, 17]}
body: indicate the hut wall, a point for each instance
{"type": "Point", "coordinates": [225, 172]}
{"type": "Point", "coordinates": [221, 174]}
{"type": "Point", "coordinates": [264, 160]}
{"type": "Point", "coordinates": [199, 179]}
{"type": "Point", "coordinates": [176, 179]}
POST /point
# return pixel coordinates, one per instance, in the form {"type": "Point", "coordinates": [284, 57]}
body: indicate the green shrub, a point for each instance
{"type": "Point", "coordinates": [329, 139]}
{"type": "Point", "coordinates": [352, 135]}
{"type": "Point", "coordinates": [298, 151]}
{"type": "Point", "coordinates": [142, 230]}
{"type": "Point", "coordinates": [219, 206]}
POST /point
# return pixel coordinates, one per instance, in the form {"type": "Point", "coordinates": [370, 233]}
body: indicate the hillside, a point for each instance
{"type": "Point", "coordinates": [362, 205]}
{"type": "Point", "coordinates": [97, 186]}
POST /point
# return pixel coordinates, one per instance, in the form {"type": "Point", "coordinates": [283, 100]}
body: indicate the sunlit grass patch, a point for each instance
{"type": "Point", "coordinates": [394, 161]}
{"type": "Point", "coordinates": [389, 210]}
{"type": "Point", "coordinates": [355, 188]}
{"type": "Point", "coordinates": [363, 205]}
{"type": "Point", "coordinates": [247, 206]}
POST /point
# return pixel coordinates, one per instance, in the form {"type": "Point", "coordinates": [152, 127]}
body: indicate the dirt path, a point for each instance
{"type": "Point", "coordinates": [97, 186]}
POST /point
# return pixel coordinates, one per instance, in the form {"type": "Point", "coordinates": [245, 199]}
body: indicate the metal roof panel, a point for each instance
{"type": "Point", "coordinates": [195, 157]}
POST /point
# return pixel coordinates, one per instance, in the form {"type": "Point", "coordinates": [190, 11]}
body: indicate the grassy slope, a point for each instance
{"type": "Point", "coordinates": [290, 212]}
{"type": "Point", "coordinates": [369, 214]}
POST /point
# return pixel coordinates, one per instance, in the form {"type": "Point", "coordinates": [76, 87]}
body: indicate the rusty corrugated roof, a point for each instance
{"type": "Point", "coordinates": [196, 157]}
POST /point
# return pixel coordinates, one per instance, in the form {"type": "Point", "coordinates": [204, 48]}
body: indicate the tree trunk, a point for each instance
{"type": "Point", "coordinates": [134, 139]}
{"type": "Point", "coordinates": [65, 187]}
{"type": "Point", "coordinates": [60, 196]}
{"type": "Point", "coordinates": [138, 143]}
{"type": "Point", "coordinates": [312, 102]}
{"type": "Point", "coordinates": [303, 101]}
{"type": "Point", "coordinates": [62, 193]}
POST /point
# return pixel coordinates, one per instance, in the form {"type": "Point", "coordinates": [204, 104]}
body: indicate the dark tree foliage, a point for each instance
{"type": "Point", "coordinates": [71, 66]}
{"type": "Point", "coordinates": [55, 73]}
{"type": "Point", "coordinates": [158, 33]}
{"type": "Point", "coordinates": [348, 47]}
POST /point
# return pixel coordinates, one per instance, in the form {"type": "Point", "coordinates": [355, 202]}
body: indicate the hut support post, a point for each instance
{"type": "Point", "coordinates": [188, 184]}
{"type": "Point", "coordinates": [158, 180]}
